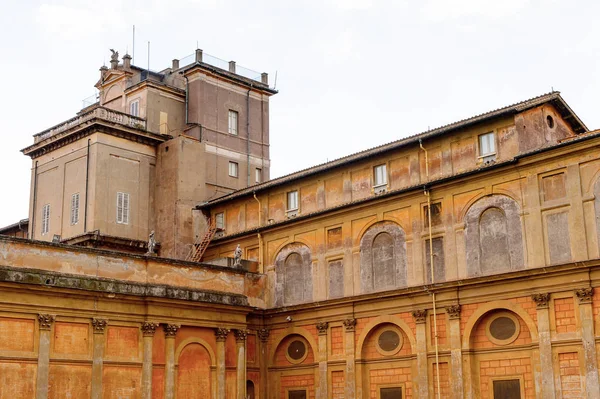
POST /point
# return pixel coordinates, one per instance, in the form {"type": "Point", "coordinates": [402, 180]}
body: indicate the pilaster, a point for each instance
{"type": "Point", "coordinates": [45, 327]}
{"type": "Point", "coordinates": [148, 329]}
{"type": "Point", "coordinates": [170, 332]}
{"type": "Point", "coordinates": [352, 391]}
{"type": "Point", "coordinates": [420, 317]}
{"type": "Point", "coordinates": [221, 336]}
{"type": "Point", "coordinates": [99, 327]}
{"type": "Point", "coordinates": [240, 343]}
{"type": "Point", "coordinates": [586, 316]}
{"type": "Point", "coordinates": [322, 328]}
{"type": "Point", "coordinates": [546, 390]}
{"type": "Point", "coordinates": [263, 336]}
{"type": "Point", "coordinates": [456, 366]}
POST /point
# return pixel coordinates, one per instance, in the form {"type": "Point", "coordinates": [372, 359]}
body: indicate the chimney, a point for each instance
{"type": "Point", "coordinates": [126, 61]}
{"type": "Point", "coordinates": [175, 65]}
{"type": "Point", "coordinates": [198, 55]}
{"type": "Point", "coordinates": [232, 66]}
{"type": "Point", "coordinates": [264, 77]}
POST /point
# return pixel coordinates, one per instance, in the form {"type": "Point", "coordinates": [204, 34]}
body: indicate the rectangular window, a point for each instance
{"type": "Point", "coordinates": [292, 200]}
{"type": "Point", "coordinates": [45, 218]}
{"type": "Point", "coordinates": [507, 389]}
{"type": "Point", "coordinates": [220, 220]}
{"type": "Point", "coordinates": [122, 208]}
{"type": "Point", "coordinates": [134, 108]}
{"type": "Point", "coordinates": [233, 122]}
{"type": "Point", "coordinates": [233, 169]}
{"type": "Point", "coordinates": [74, 208]}
{"type": "Point", "coordinates": [297, 394]}
{"type": "Point", "coordinates": [258, 175]}
{"type": "Point", "coordinates": [379, 176]}
{"type": "Point", "coordinates": [390, 393]}
{"type": "Point", "coordinates": [487, 144]}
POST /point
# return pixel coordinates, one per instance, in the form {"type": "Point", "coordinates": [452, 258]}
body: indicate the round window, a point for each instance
{"type": "Point", "coordinates": [296, 351]}
{"type": "Point", "coordinates": [389, 342]}
{"type": "Point", "coordinates": [503, 329]}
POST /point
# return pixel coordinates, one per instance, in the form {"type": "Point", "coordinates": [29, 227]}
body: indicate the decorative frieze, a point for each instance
{"type": "Point", "coordinates": [585, 294]}
{"type": "Point", "coordinates": [46, 321]}
{"type": "Point", "coordinates": [171, 330]}
{"type": "Point", "coordinates": [149, 328]}
{"type": "Point", "coordinates": [420, 315]}
{"type": "Point", "coordinates": [453, 312]}
{"type": "Point", "coordinates": [221, 333]}
{"type": "Point", "coordinates": [322, 327]}
{"type": "Point", "coordinates": [263, 334]}
{"type": "Point", "coordinates": [541, 300]}
{"type": "Point", "coordinates": [99, 325]}
{"type": "Point", "coordinates": [350, 324]}
{"type": "Point", "coordinates": [240, 335]}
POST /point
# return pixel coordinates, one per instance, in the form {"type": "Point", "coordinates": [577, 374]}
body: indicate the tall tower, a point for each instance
{"type": "Point", "coordinates": [152, 146]}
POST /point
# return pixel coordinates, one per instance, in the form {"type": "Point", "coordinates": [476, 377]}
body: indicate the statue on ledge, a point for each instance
{"type": "Point", "coordinates": [151, 244]}
{"type": "Point", "coordinates": [237, 256]}
{"type": "Point", "coordinates": [114, 56]}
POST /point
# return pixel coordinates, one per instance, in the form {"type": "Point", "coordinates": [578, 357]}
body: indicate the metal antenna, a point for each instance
{"type": "Point", "coordinates": [148, 58]}
{"type": "Point", "coordinates": [133, 51]}
{"type": "Point", "coordinates": [275, 84]}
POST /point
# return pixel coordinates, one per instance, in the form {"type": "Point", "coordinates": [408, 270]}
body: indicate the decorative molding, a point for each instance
{"type": "Point", "coordinates": [322, 327]}
{"type": "Point", "coordinates": [171, 330]}
{"type": "Point", "coordinates": [221, 333]}
{"type": "Point", "coordinates": [263, 334]}
{"type": "Point", "coordinates": [420, 315]}
{"type": "Point", "coordinates": [350, 324]}
{"type": "Point", "coordinates": [99, 325]}
{"type": "Point", "coordinates": [149, 328]}
{"type": "Point", "coordinates": [240, 335]}
{"type": "Point", "coordinates": [453, 311]}
{"type": "Point", "coordinates": [541, 300]}
{"type": "Point", "coordinates": [585, 294]}
{"type": "Point", "coordinates": [46, 320]}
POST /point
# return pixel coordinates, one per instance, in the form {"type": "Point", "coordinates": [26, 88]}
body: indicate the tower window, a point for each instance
{"type": "Point", "coordinates": [122, 208]}
{"type": "Point", "coordinates": [45, 218]}
{"type": "Point", "coordinates": [74, 208]}
{"type": "Point", "coordinates": [258, 175]}
{"type": "Point", "coordinates": [233, 122]}
{"type": "Point", "coordinates": [233, 169]}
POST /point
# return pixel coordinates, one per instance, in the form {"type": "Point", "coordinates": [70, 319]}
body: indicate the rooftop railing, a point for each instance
{"type": "Point", "coordinates": [106, 114]}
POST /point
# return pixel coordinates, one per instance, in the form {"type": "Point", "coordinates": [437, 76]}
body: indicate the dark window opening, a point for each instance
{"type": "Point", "coordinates": [507, 389]}
{"type": "Point", "coordinates": [297, 394]}
{"type": "Point", "coordinates": [390, 393]}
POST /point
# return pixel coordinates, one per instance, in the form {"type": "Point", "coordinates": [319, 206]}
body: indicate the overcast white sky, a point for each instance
{"type": "Point", "coordinates": [352, 74]}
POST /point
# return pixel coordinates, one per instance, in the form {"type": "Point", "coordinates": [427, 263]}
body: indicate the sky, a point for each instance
{"type": "Point", "coordinates": [351, 74]}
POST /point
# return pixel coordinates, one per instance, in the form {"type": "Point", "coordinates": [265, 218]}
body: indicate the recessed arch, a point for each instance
{"type": "Point", "coordinates": [289, 332]}
{"type": "Point", "coordinates": [293, 275]}
{"type": "Point", "coordinates": [386, 319]}
{"type": "Point", "coordinates": [200, 341]}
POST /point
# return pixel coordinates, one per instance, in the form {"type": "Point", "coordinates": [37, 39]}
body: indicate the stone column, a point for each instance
{"type": "Point", "coordinates": [586, 316]}
{"type": "Point", "coordinates": [351, 391]}
{"type": "Point", "coordinates": [99, 326]}
{"type": "Point", "coordinates": [221, 335]}
{"type": "Point", "coordinates": [240, 344]}
{"type": "Point", "coordinates": [546, 390]}
{"type": "Point", "coordinates": [148, 329]}
{"type": "Point", "coordinates": [456, 367]}
{"type": "Point", "coordinates": [420, 317]}
{"type": "Point", "coordinates": [322, 359]}
{"type": "Point", "coordinates": [45, 327]}
{"type": "Point", "coordinates": [263, 336]}
{"type": "Point", "coordinates": [170, 332]}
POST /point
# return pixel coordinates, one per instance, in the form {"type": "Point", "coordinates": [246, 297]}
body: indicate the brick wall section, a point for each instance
{"type": "Point", "coordinates": [305, 381]}
{"type": "Point", "coordinates": [337, 385]}
{"type": "Point", "coordinates": [596, 306]}
{"type": "Point", "coordinates": [337, 341]}
{"type": "Point", "coordinates": [444, 380]}
{"type": "Point", "coordinates": [490, 369]}
{"type": "Point", "coordinates": [480, 340]}
{"type": "Point", "coordinates": [397, 375]}
{"type": "Point", "coordinates": [570, 375]}
{"type": "Point", "coordinates": [441, 328]}
{"type": "Point", "coordinates": [564, 312]}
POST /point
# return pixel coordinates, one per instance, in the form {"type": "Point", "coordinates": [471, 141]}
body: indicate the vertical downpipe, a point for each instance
{"type": "Point", "coordinates": [87, 176]}
{"type": "Point", "coordinates": [427, 192]}
{"type": "Point", "coordinates": [248, 136]}
{"type": "Point", "coordinates": [35, 174]}
{"type": "Point", "coordinates": [260, 242]}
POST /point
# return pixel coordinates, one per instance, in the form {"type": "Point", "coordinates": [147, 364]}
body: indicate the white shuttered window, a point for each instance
{"type": "Point", "coordinates": [233, 122]}
{"type": "Point", "coordinates": [122, 208]}
{"type": "Point", "coordinates": [45, 219]}
{"type": "Point", "coordinates": [292, 200]}
{"type": "Point", "coordinates": [379, 175]}
{"type": "Point", "coordinates": [75, 208]}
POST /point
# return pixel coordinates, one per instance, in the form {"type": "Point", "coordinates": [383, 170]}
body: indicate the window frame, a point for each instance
{"type": "Point", "coordinates": [507, 378]}
{"type": "Point", "coordinates": [393, 352]}
{"type": "Point", "coordinates": [125, 206]}
{"type": "Point", "coordinates": [293, 389]}
{"type": "Point", "coordinates": [135, 102]}
{"type": "Point", "coordinates": [45, 219]}
{"type": "Point", "coordinates": [306, 349]}
{"type": "Point", "coordinates": [236, 169]}
{"type": "Point", "coordinates": [222, 227]}
{"type": "Point", "coordinates": [233, 128]}
{"type": "Point", "coordinates": [401, 386]}
{"type": "Point", "coordinates": [384, 175]}
{"type": "Point", "coordinates": [287, 201]}
{"type": "Point", "coordinates": [258, 175]}
{"type": "Point", "coordinates": [480, 153]}
{"type": "Point", "coordinates": [74, 209]}
{"type": "Point", "coordinates": [503, 342]}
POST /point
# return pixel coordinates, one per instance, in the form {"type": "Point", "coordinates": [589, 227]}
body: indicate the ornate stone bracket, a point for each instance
{"type": "Point", "coordinates": [221, 333]}
{"type": "Point", "coordinates": [240, 335]}
{"type": "Point", "coordinates": [263, 334]}
{"type": "Point", "coordinates": [322, 327]}
{"type": "Point", "coordinates": [46, 321]}
{"type": "Point", "coordinates": [350, 324]}
{"type": "Point", "coordinates": [420, 315]}
{"type": "Point", "coordinates": [541, 300]}
{"type": "Point", "coordinates": [99, 325]}
{"type": "Point", "coordinates": [149, 328]}
{"type": "Point", "coordinates": [171, 330]}
{"type": "Point", "coordinates": [585, 294]}
{"type": "Point", "coordinates": [453, 312]}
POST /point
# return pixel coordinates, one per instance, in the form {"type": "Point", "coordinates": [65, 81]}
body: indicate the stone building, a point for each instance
{"type": "Point", "coordinates": [457, 263]}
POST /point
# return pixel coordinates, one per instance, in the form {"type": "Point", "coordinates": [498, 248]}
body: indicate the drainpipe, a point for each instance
{"type": "Point", "coordinates": [187, 89]}
{"type": "Point", "coordinates": [35, 174]}
{"type": "Point", "coordinates": [87, 176]}
{"type": "Point", "coordinates": [427, 193]}
{"type": "Point", "coordinates": [260, 242]}
{"type": "Point", "coordinates": [248, 135]}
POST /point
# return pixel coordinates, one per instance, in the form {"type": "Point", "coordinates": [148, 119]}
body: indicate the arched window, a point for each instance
{"type": "Point", "coordinates": [293, 275]}
{"type": "Point", "coordinates": [383, 258]}
{"type": "Point", "coordinates": [493, 241]}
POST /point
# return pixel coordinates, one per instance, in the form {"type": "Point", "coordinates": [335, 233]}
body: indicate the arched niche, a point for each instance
{"type": "Point", "coordinates": [293, 275]}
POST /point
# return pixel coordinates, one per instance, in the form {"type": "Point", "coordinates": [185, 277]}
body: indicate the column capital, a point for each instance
{"type": "Point", "coordinates": [350, 324]}
{"type": "Point", "coordinates": [149, 328]}
{"type": "Point", "coordinates": [263, 334]}
{"type": "Point", "coordinates": [420, 315]}
{"type": "Point", "coordinates": [46, 320]}
{"type": "Point", "coordinates": [453, 311]}
{"type": "Point", "coordinates": [171, 330]}
{"type": "Point", "coordinates": [99, 325]}
{"type": "Point", "coordinates": [541, 300]}
{"type": "Point", "coordinates": [585, 294]}
{"type": "Point", "coordinates": [221, 333]}
{"type": "Point", "coordinates": [322, 327]}
{"type": "Point", "coordinates": [240, 335]}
